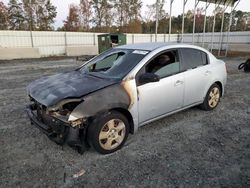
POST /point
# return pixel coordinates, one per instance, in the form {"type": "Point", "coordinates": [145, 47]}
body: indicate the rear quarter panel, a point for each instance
{"type": "Point", "coordinates": [219, 73]}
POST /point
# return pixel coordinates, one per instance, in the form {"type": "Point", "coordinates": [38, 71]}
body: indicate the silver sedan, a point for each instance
{"type": "Point", "coordinates": [115, 93]}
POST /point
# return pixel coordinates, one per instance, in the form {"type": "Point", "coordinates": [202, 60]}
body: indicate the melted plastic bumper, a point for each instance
{"type": "Point", "coordinates": [57, 130]}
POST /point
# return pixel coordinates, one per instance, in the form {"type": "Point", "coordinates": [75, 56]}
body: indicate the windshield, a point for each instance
{"type": "Point", "coordinates": [114, 63]}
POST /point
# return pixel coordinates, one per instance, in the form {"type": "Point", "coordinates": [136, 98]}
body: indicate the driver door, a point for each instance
{"type": "Point", "coordinates": [164, 96]}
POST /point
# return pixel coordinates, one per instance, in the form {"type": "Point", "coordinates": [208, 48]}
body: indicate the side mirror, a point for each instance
{"type": "Point", "coordinates": [148, 77]}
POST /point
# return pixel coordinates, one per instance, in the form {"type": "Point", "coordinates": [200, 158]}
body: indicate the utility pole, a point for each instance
{"type": "Point", "coordinates": [170, 20]}
{"type": "Point", "coordinates": [157, 19]}
{"type": "Point", "coordinates": [183, 19]}
{"type": "Point", "coordinates": [31, 23]}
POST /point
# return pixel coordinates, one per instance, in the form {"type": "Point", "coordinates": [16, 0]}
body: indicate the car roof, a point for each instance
{"type": "Point", "coordinates": [150, 46]}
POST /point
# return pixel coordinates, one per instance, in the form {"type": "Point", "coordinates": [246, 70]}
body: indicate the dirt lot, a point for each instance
{"type": "Point", "coordinates": [189, 149]}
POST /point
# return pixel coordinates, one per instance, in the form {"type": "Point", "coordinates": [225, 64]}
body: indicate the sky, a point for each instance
{"type": "Point", "coordinates": [63, 7]}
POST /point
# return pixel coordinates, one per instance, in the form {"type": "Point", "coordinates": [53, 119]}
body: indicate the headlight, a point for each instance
{"type": "Point", "coordinates": [70, 106]}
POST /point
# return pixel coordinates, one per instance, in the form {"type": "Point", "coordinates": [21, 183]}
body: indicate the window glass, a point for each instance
{"type": "Point", "coordinates": [108, 62]}
{"type": "Point", "coordinates": [114, 63]}
{"type": "Point", "coordinates": [193, 58]}
{"type": "Point", "coordinates": [204, 58]}
{"type": "Point", "coordinates": [165, 64]}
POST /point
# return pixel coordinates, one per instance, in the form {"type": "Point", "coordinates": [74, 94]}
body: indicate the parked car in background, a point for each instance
{"type": "Point", "coordinates": [115, 93]}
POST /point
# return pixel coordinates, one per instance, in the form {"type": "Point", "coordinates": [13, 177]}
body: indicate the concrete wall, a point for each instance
{"type": "Point", "coordinates": [26, 44]}
{"type": "Point", "coordinates": [19, 53]}
{"type": "Point", "coordinates": [81, 50]}
{"type": "Point", "coordinates": [240, 48]}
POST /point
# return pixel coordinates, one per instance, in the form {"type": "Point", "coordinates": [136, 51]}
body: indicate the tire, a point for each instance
{"type": "Point", "coordinates": [212, 98]}
{"type": "Point", "coordinates": [108, 132]}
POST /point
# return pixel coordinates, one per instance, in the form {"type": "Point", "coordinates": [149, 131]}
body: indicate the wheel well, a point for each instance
{"type": "Point", "coordinates": [128, 116]}
{"type": "Point", "coordinates": [220, 85]}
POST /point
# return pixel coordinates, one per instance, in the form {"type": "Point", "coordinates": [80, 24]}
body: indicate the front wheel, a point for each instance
{"type": "Point", "coordinates": [212, 98]}
{"type": "Point", "coordinates": [109, 132]}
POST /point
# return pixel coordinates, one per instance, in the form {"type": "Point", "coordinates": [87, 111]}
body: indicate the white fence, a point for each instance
{"type": "Point", "coordinates": [233, 38]}
{"type": "Point", "coordinates": [50, 43]}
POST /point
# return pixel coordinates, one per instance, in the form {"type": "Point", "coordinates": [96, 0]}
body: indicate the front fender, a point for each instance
{"type": "Point", "coordinates": [114, 96]}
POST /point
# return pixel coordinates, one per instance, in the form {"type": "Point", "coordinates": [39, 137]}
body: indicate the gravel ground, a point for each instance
{"type": "Point", "coordinates": [192, 148]}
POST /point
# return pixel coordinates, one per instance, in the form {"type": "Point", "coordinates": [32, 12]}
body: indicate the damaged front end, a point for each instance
{"type": "Point", "coordinates": [54, 98]}
{"type": "Point", "coordinates": [58, 125]}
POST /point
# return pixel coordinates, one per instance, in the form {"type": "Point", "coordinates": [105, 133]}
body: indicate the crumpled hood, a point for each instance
{"type": "Point", "coordinates": [52, 89]}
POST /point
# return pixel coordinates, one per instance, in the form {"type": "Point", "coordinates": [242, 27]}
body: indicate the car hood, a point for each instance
{"type": "Point", "coordinates": [75, 84]}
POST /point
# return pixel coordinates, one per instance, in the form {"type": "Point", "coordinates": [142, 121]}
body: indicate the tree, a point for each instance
{"type": "Point", "coordinates": [127, 14]}
{"type": "Point", "coordinates": [150, 16]}
{"type": "Point", "coordinates": [163, 25]}
{"type": "Point", "coordinates": [45, 16]}
{"type": "Point", "coordinates": [240, 24]}
{"type": "Point", "coordinates": [50, 15]}
{"type": "Point", "coordinates": [189, 22]}
{"type": "Point", "coordinates": [134, 26]}
{"type": "Point", "coordinates": [16, 15]}
{"type": "Point", "coordinates": [72, 23]}
{"type": "Point", "coordinates": [38, 14]}
{"type": "Point", "coordinates": [151, 12]}
{"type": "Point", "coordinates": [30, 11]}
{"type": "Point", "coordinates": [85, 15]}
{"type": "Point", "coordinates": [103, 13]}
{"type": "Point", "coordinates": [134, 9]}
{"type": "Point", "coordinates": [199, 20]}
{"type": "Point", "coordinates": [120, 12]}
{"type": "Point", "coordinates": [3, 17]}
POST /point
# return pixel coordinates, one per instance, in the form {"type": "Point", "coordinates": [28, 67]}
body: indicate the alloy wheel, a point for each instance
{"type": "Point", "coordinates": [214, 97]}
{"type": "Point", "coordinates": [112, 134]}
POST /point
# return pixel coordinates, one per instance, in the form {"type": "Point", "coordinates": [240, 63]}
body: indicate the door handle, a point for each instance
{"type": "Point", "coordinates": [178, 82]}
{"type": "Point", "coordinates": [207, 73]}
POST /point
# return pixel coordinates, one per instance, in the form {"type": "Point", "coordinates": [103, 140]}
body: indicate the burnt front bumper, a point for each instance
{"type": "Point", "coordinates": [58, 130]}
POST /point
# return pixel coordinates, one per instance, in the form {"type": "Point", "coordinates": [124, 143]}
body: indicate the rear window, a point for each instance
{"type": "Point", "coordinates": [193, 58]}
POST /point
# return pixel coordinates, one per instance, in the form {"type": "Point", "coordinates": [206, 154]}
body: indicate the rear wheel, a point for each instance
{"type": "Point", "coordinates": [109, 132]}
{"type": "Point", "coordinates": [212, 98]}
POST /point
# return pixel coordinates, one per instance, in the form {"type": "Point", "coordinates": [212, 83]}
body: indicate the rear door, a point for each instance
{"type": "Point", "coordinates": [197, 73]}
